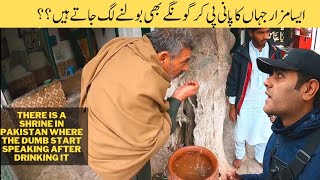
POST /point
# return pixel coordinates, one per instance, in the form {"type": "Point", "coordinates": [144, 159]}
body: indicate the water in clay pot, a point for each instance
{"type": "Point", "coordinates": [193, 163]}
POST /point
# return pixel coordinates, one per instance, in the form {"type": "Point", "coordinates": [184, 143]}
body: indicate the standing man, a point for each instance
{"type": "Point", "coordinates": [293, 150]}
{"type": "Point", "coordinates": [246, 94]}
{"type": "Point", "coordinates": [124, 88]}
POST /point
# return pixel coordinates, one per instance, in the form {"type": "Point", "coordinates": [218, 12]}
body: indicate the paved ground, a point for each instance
{"type": "Point", "coordinates": [250, 165]}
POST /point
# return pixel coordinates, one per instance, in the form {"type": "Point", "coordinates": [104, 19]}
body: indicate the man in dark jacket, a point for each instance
{"type": "Point", "coordinates": [246, 94]}
{"type": "Point", "coordinates": [293, 150]}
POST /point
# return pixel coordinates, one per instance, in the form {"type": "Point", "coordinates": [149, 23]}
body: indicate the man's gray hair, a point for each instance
{"type": "Point", "coordinates": [171, 40]}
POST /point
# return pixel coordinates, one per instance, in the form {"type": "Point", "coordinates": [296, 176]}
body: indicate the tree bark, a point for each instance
{"type": "Point", "coordinates": [201, 118]}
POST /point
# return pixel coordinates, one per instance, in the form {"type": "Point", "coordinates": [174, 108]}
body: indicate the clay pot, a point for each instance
{"type": "Point", "coordinates": [207, 154]}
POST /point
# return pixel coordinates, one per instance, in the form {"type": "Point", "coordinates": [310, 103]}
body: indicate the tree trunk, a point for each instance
{"type": "Point", "coordinates": [201, 118]}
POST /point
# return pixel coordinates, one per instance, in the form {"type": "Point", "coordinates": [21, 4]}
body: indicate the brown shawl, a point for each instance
{"type": "Point", "coordinates": [123, 88]}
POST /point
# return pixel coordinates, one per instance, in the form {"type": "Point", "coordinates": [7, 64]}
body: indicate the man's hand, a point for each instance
{"type": "Point", "coordinates": [190, 88]}
{"type": "Point", "coordinates": [231, 175]}
{"type": "Point", "coordinates": [233, 113]}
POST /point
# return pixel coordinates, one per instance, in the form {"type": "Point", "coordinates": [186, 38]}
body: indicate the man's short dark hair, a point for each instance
{"type": "Point", "coordinates": [253, 29]}
{"type": "Point", "coordinates": [171, 40]}
{"type": "Point", "coordinates": [303, 78]}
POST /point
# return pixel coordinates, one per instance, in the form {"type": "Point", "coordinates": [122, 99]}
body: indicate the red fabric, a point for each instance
{"type": "Point", "coordinates": [245, 86]}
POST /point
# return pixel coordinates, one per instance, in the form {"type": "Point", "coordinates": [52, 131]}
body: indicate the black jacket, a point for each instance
{"type": "Point", "coordinates": [240, 72]}
{"type": "Point", "coordinates": [287, 141]}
